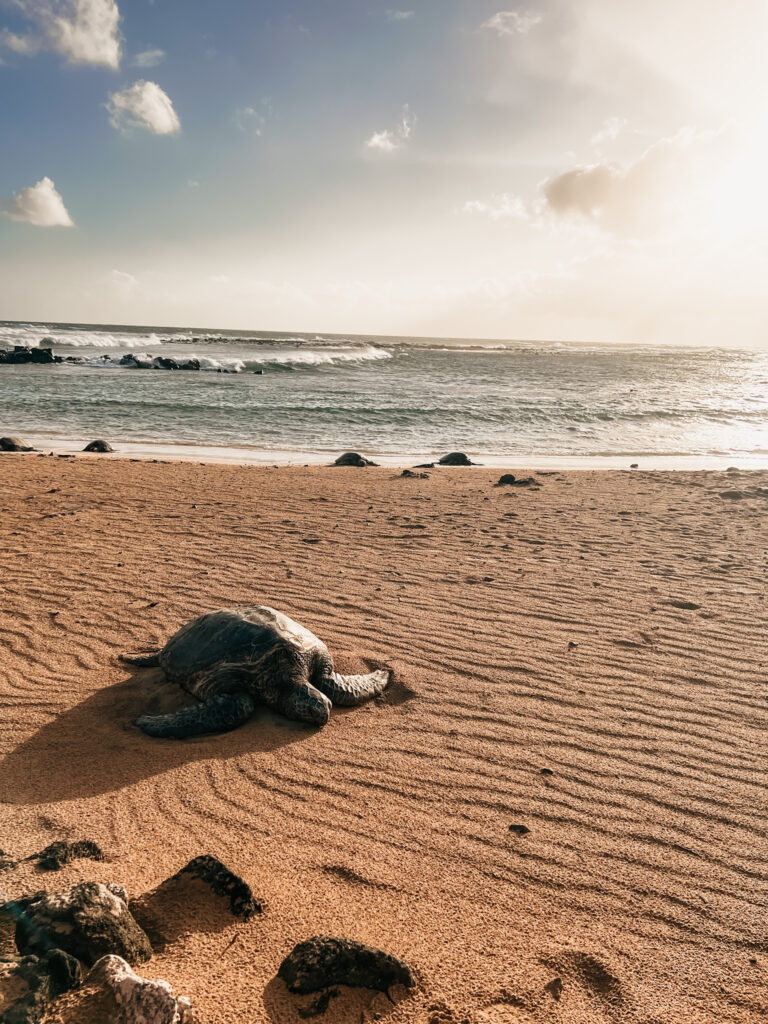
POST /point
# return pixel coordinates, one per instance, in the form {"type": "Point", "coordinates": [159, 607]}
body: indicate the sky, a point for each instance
{"type": "Point", "coordinates": [591, 171]}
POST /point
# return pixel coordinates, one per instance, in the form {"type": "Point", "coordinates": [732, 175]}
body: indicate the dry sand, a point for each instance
{"type": "Point", "coordinates": [642, 882]}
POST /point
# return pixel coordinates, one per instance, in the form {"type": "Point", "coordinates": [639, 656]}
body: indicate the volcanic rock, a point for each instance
{"type": "Point", "coordinates": [324, 961]}
{"type": "Point", "coordinates": [139, 1001]}
{"type": "Point", "coordinates": [88, 921]}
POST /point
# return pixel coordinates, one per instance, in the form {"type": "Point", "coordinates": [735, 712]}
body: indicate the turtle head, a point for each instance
{"type": "Point", "coordinates": [311, 705]}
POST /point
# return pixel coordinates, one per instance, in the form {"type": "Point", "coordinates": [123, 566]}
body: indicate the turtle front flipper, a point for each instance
{"type": "Point", "coordinates": [221, 713]}
{"type": "Point", "coordinates": [347, 691]}
{"type": "Point", "coordinates": [149, 660]}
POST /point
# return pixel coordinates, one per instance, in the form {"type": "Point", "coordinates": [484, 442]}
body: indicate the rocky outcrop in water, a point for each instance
{"type": "Point", "coordinates": [323, 961]}
{"type": "Point", "coordinates": [25, 354]}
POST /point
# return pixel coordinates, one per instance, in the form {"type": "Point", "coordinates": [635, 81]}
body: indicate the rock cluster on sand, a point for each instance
{"type": "Point", "coordinates": [510, 480]}
{"type": "Point", "coordinates": [323, 961]}
{"type": "Point", "coordinates": [91, 925]}
{"type": "Point", "coordinates": [353, 459]}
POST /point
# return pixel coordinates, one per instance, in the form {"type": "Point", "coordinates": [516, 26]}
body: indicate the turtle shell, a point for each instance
{"type": "Point", "coordinates": [236, 636]}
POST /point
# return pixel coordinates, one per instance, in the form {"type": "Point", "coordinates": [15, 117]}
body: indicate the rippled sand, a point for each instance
{"type": "Point", "coordinates": [641, 884]}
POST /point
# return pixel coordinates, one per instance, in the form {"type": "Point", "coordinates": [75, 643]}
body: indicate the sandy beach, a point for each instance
{"type": "Point", "coordinates": [587, 659]}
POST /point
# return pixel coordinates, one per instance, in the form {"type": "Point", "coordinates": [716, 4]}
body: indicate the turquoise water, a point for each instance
{"type": "Point", "coordinates": [392, 396]}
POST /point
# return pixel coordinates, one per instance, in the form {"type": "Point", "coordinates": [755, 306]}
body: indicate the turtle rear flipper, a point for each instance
{"type": "Point", "coordinates": [149, 660]}
{"type": "Point", "coordinates": [221, 713]}
{"type": "Point", "coordinates": [347, 691]}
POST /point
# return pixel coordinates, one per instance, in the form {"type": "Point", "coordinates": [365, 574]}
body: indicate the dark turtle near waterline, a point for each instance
{"type": "Point", "coordinates": [99, 446]}
{"type": "Point", "coordinates": [455, 459]}
{"type": "Point", "coordinates": [353, 459]}
{"type": "Point", "coordinates": [14, 444]}
{"type": "Point", "coordinates": [232, 660]}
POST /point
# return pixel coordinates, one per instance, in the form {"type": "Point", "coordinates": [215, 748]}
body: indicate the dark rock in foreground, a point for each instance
{"type": "Point", "coordinates": [98, 446]}
{"type": "Point", "coordinates": [510, 480]}
{"type": "Point", "coordinates": [28, 986]}
{"type": "Point", "coordinates": [324, 961]}
{"type": "Point", "coordinates": [14, 444]}
{"type": "Point", "coordinates": [353, 459]}
{"type": "Point", "coordinates": [203, 895]}
{"type": "Point", "coordinates": [415, 476]}
{"type": "Point", "coordinates": [139, 1001]}
{"type": "Point", "coordinates": [455, 459]}
{"type": "Point", "coordinates": [223, 882]}
{"type": "Point", "coordinates": [55, 856]}
{"type": "Point", "coordinates": [88, 921]}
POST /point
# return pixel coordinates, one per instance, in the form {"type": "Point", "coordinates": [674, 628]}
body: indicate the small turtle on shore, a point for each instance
{"type": "Point", "coordinates": [235, 659]}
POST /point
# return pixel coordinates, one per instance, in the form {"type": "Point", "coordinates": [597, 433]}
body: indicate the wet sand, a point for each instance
{"type": "Point", "coordinates": [641, 884]}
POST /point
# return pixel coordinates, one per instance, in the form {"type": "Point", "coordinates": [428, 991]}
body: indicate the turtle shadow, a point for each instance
{"type": "Point", "coordinates": [94, 748]}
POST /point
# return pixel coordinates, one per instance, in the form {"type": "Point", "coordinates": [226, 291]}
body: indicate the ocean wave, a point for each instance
{"type": "Point", "coordinates": [44, 336]}
{"type": "Point", "coordinates": [195, 361]}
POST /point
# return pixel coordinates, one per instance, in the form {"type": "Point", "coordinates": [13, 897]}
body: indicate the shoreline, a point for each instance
{"type": "Point", "coordinates": [249, 456]}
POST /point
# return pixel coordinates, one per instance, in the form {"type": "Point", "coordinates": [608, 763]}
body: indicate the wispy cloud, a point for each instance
{"type": "Point", "coordinates": [512, 23]}
{"type": "Point", "coordinates": [124, 283]}
{"type": "Point", "coordinates": [148, 58]}
{"type": "Point", "coordinates": [82, 31]}
{"type": "Point", "coordinates": [144, 105]}
{"type": "Point", "coordinates": [393, 15]}
{"type": "Point", "coordinates": [498, 207]}
{"type": "Point", "coordinates": [390, 139]}
{"type": "Point", "coordinates": [40, 205]}
{"type": "Point", "coordinates": [253, 120]}
{"type": "Point", "coordinates": [609, 131]}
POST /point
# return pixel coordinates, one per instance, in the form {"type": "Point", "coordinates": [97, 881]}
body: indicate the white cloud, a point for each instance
{"type": "Point", "coordinates": [252, 121]}
{"type": "Point", "coordinates": [40, 205]}
{"type": "Point", "coordinates": [498, 207]}
{"type": "Point", "coordinates": [143, 105]}
{"type": "Point", "coordinates": [512, 23]}
{"type": "Point", "coordinates": [390, 139]}
{"type": "Point", "coordinates": [393, 15]}
{"type": "Point", "coordinates": [671, 181]}
{"type": "Point", "coordinates": [609, 131]}
{"type": "Point", "coordinates": [82, 31]}
{"type": "Point", "coordinates": [123, 282]}
{"type": "Point", "coordinates": [148, 58]}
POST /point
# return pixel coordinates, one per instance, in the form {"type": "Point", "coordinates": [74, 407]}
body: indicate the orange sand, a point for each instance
{"type": "Point", "coordinates": [642, 883]}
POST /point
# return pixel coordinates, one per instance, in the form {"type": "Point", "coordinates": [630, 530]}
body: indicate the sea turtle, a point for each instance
{"type": "Point", "coordinates": [234, 659]}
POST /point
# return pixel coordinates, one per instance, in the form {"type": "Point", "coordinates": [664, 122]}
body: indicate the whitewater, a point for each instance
{"type": "Point", "coordinates": [302, 397]}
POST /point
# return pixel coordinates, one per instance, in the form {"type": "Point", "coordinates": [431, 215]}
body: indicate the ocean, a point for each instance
{"type": "Point", "coordinates": [401, 400]}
